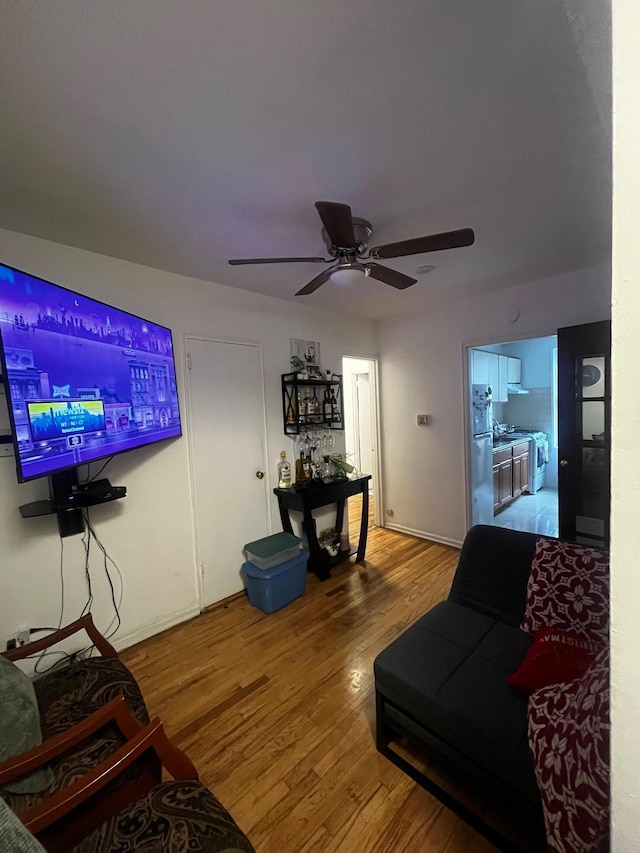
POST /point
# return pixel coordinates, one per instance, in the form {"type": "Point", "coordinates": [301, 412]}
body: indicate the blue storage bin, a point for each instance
{"type": "Point", "coordinates": [271, 589]}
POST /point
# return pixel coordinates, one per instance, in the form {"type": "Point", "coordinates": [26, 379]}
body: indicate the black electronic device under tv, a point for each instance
{"type": "Point", "coordinates": [84, 380]}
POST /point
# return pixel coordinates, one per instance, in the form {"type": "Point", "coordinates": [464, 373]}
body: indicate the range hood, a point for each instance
{"type": "Point", "coordinates": [516, 388]}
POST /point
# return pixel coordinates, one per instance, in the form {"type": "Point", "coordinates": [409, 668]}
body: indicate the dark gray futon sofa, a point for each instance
{"type": "Point", "coordinates": [442, 684]}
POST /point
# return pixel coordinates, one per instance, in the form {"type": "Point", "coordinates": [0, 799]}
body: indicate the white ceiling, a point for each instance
{"type": "Point", "coordinates": [181, 133]}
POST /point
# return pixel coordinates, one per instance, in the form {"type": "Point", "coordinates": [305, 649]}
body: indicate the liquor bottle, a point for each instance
{"type": "Point", "coordinates": [336, 417]}
{"type": "Point", "coordinates": [303, 469]}
{"type": "Point", "coordinates": [284, 471]}
{"type": "Point", "coordinates": [316, 409]}
{"type": "Point", "coordinates": [307, 405]}
{"type": "Point", "coordinates": [327, 412]}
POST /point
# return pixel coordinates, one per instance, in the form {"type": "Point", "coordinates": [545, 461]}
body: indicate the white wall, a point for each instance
{"type": "Point", "coordinates": [149, 533]}
{"type": "Point", "coordinates": [421, 370]}
{"type": "Point", "coordinates": [625, 505]}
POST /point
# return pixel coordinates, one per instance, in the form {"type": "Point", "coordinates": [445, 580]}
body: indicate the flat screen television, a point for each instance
{"type": "Point", "coordinates": [84, 380]}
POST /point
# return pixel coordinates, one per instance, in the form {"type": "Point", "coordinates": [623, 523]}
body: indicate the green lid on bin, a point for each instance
{"type": "Point", "coordinates": [271, 545]}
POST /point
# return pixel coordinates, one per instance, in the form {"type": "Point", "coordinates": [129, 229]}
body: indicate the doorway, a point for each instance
{"type": "Point", "coordinates": [520, 471]}
{"type": "Point", "coordinates": [227, 441]}
{"type": "Point", "coordinates": [361, 427]}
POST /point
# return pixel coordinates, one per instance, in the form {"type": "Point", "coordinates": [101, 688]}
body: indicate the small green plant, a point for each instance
{"type": "Point", "coordinates": [342, 465]}
{"type": "Point", "coordinates": [328, 537]}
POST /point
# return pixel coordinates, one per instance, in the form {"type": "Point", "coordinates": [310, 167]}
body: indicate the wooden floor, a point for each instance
{"type": "Point", "coordinates": [277, 711]}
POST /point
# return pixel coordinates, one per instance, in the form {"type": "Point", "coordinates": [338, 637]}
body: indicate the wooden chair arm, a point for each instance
{"type": "Point", "coordinates": [51, 809]}
{"type": "Point", "coordinates": [115, 711]}
{"type": "Point", "coordinates": [84, 623]}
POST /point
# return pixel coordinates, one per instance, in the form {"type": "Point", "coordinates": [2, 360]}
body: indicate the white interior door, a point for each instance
{"type": "Point", "coordinates": [227, 442]}
{"type": "Point", "coordinates": [362, 423]}
{"type": "Point", "coordinates": [363, 427]}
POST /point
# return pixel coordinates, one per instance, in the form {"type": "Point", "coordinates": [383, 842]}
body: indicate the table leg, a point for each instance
{"type": "Point", "coordinates": [339, 516]}
{"type": "Point", "coordinates": [364, 524]}
{"type": "Point", "coordinates": [284, 518]}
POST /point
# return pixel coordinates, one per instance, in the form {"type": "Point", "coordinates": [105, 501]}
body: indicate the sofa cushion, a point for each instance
{"type": "Point", "coordinates": [568, 588]}
{"type": "Point", "coordinates": [569, 734]}
{"type": "Point", "coordinates": [555, 656]}
{"type": "Point", "coordinates": [493, 571]}
{"type": "Point", "coordinates": [448, 672]}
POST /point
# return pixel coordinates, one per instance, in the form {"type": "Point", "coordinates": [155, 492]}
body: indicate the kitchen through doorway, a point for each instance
{"type": "Point", "coordinates": [514, 435]}
{"type": "Point", "coordinates": [361, 428]}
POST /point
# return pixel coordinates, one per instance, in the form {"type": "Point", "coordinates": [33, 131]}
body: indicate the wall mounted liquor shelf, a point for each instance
{"type": "Point", "coordinates": [311, 404]}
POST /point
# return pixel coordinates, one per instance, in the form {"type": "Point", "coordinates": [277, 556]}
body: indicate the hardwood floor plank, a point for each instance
{"type": "Point", "coordinates": [319, 842]}
{"type": "Point", "coordinates": [364, 833]}
{"type": "Point", "coordinates": [277, 711]}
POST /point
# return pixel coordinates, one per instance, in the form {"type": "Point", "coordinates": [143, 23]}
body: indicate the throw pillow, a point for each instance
{"type": "Point", "coordinates": [569, 740]}
{"type": "Point", "coordinates": [568, 588]}
{"type": "Point", "coordinates": [14, 835]}
{"type": "Point", "coordinates": [555, 656]}
{"type": "Point", "coordinates": [20, 726]}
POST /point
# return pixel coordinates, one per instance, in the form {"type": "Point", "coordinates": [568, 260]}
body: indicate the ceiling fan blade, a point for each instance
{"type": "Point", "coordinates": [433, 243]}
{"type": "Point", "coordinates": [315, 283]}
{"type": "Point", "coordinates": [237, 261]}
{"type": "Point", "coordinates": [389, 276]}
{"type": "Point", "coordinates": [336, 218]}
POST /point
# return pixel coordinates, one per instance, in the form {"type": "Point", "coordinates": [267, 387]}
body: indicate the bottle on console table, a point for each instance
{"type": "Point", "coordinates": [284, 471]}
{"type": "Point", "coordinates": [303, 470]}
{"type": "Point", "coordinates": [326, 470]}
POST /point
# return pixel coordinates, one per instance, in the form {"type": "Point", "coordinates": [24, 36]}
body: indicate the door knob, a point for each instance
{"type": "Point", "coordinates": [260, 474]}
{"type": "Point", "coordinates": [563, 463]}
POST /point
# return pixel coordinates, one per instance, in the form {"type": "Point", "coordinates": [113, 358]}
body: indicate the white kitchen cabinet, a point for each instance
{"type": "Point", "coordinates": [513, 371]}
{"type": "Point", "coordinates": [490, 368]}
{"type": "Point", "coordinates": [480, 367]}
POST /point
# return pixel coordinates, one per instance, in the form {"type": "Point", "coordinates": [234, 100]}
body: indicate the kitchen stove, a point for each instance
{"type": "Point", "coordinates": [538, 455]}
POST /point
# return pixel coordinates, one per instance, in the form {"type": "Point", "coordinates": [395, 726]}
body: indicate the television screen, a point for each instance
{"type": "Point", "coordinates": [84, 380]}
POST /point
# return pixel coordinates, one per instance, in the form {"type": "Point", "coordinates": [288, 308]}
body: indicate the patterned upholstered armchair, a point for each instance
{"type": "Point", "coordinates": [176, 815]}
{"type": "Point", "coordinates": [65, 698]}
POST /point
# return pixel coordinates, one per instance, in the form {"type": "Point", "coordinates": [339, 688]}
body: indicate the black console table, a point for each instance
{"type": "Point", "coordinates": [306, 498]}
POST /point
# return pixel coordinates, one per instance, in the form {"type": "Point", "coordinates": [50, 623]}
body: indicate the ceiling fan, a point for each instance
{"type": "Point", "coordinates": [347, 239]}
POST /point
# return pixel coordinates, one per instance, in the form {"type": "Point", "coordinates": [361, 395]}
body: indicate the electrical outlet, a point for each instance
{"type": "Point", "coordinates": [8, 643]}
{"type": "Point", "coordinates": [13, 641]}
{"type": "Point", "coordinates": [390, 512]}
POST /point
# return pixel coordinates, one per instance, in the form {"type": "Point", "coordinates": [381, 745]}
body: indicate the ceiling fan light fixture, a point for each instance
{"type": "Point", "coordinates": [345, 276]}
{"type": "Point", "coordinates": [347, 239]}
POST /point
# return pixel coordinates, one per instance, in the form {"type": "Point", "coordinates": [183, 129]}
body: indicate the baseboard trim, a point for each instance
{"type": "Point", "coordinates": [433, 537]}
{"type": "Point", "coordinates": [150, 629]}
